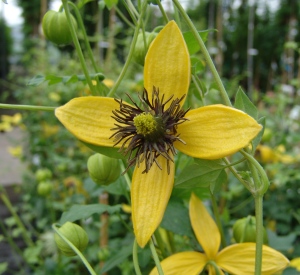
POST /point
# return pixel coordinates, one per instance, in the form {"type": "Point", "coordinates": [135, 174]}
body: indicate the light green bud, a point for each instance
{"type": "Point", "coordinates": [44, 188]}
{"type": "Point", "coordinates": [244, 230]}
{"type": "Point", "coordinates": [140, 50]}
{"type": "Point", "coordinates": [75, 234]}
{"type": "Point", "coordinates": [103, 170]}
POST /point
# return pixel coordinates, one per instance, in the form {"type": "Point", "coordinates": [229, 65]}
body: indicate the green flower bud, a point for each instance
{"type": "Point", "coordinates": [103, 170]}
{"type": "Point", "coordinates": [75, 234]}
{"type": "Point", "coordinates": [103, 254]}
{"type": "Point", "coordinates": [140, 50]}
{"type": "Point", "coordinates": [56, 28]}
{"type": "Point", "coordinates": [43, 174]}
{"type": "Point", "coordinates": [44, 188]}
{"type": "Point", "coordinates": [244, 230]}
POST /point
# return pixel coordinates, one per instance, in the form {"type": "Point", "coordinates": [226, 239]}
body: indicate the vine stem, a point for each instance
{"type": "Point", "coordinates": [135, 258]}
{"type": "Point", "coordinates": [74, 248]}
{"type": "Point", "coordinates": [77, 47]}
{"type": "Point", "coordinates": [155, 257]}
{"type": "Point", "coordinates": [130, 54]}
{"type": "Point", "coordinates": [205, 52]}
{"type": "Point", "coordinates": [27, 107]}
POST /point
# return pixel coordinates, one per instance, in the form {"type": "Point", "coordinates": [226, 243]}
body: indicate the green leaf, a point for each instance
{"type": "Point", "coordinates": [256, 141]}
{"type": "Point", "coordinates": [202, 173]}
{"type": "Point", "coordinates": [53, 79]}
{"type": "Point", "coordinates": [110, 3]}
{"type": "Point", "coordinates": [118, 258]}
{"type": "Point", "coordinates": [282, 243]}
{"type": "Point", "coordinates": [81, 3]}
{"type": "Point", "coordinates": [242, 102]}
{"type": "Point", "coordinates": [176, 218]}
{"type": "Point", "coordinates": [217, 184]}
{"type": "Point", "coordinates": [32, 254]}
{"type": "Point", "coordinates": [77, 212]}
{"type": "Point", "coordinates": [198, 65]}
{"type": "Point", "coordinates": [3, 267]}
{"type": "Point", "coordinates": [192, 43]}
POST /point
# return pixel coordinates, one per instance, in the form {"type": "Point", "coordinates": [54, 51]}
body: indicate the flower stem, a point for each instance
{"type": "Point", "coordinates": [130, 54]}
{"type": "Point", "coordinates": [74, 248]}
{"type": "Point", "coordinates": [165, 16]}
{"type": "Point", "coordinates": [135, 258]}
{"type": "Point", "coordinates": [86, 42]}
{"type": "Point", "coordinates": [155, 257]}
{"type": "Point", "coordinates": [78, 48]}
{"type": "Point", "coordinates": [259, 233]}
{"type": "Point", "coordinates": [205, 52]}
{"type": "Point", "coordinates": [27, 107]}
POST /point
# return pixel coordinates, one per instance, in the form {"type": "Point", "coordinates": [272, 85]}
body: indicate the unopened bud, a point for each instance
{"type": "Point", "coordinates": [141, 49]}
{"type": "Point", "coordinates": [44, 188]}
{"type": "Point", "coordinates": [75, 234]}
{"type": "Point", "coordinates": [244, 230]}
{"type": "Point", "coordinates": [103, 170]}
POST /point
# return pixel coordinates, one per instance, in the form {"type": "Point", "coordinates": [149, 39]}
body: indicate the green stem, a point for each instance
{"type": "Point", "coordinates": [195, 81]}
{"type": "Point", "coordinates": [19, 223]}
{"type": "Point", "coordinates": [119, 12]}
{"type": "Point", "coordinates": [218, 220]}
{"type": "Point", "coordinates": [259, 233]}
{"type": "Point", "coordinates": [27, 107]}
{"type": "Point", "coordinates": [135, 258]}
{"type": "Point", "coordinates": [236, 174]}
{"type": "Point", "coordinates": [155, 257]}
{"type": "Point", "coordinates": [78, 48]}
{"type": "Point", "coordinates": [74, 248]}
{"type": "Point", "coordinates": [130, 54]}
{"type": "Point", "coordinates": [205, 52]}
{"type": "Point", "coordinates": [162, 11]}
{"type": "Point", "coordinates": [160, 243]}
{"type": "Point", "coordinates": [85, 38]}
{"type": "Point", "coordinates": [132, 16]}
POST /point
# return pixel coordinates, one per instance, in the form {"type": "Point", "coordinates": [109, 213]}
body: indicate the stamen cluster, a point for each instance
{"type": "Point", "coordinates": [148, 147]}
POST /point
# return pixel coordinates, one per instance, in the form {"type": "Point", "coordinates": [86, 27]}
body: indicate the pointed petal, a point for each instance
{"type": "Point", "coordinates": [216, 131]}
{"type": "Point", "coordinates": [191, 263]}
{"type": "Point", "coordinates": [167, 63]}
{"type": "Point", "coordinates": [205, 228]}
{"type": "Point", "coordinates": [240, 259]}
{"type": "Point", "coordinates": [150, 193]}
{"type": "Point", "coordinates": [89, 119]}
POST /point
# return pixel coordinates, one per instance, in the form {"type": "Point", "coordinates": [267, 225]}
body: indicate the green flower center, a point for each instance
{"type": "Point", "coordinates": [149, 131]}
{"type": "Point", "coordinates": [148, 126]}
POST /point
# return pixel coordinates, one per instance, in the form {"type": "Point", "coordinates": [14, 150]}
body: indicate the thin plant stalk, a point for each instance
{"type": "Point", "coordinates": [135, 258]}
{"type": "Point", "coordinates": [205, 52]}
{"type": "Point", "coordinates": [27, 107]}
{"type": "Point", "coordinates": [155, 257]}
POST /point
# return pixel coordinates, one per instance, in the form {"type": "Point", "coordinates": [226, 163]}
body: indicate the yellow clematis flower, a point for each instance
{"type": "Point", "coordinates": [150, 134]}
{"type": "Point", "coordinates": [235, 259]}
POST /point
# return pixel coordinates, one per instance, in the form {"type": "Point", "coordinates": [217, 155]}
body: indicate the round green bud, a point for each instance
{"type": "Point", "coordinates": [103, 170]}
{"type": "Point", "coordinates": [56, 28]}
{"type": "Point", "coordinates": [44, 188]}
{"type": "Point", "coordinates": [244, 230]}
{"type": "Point", "coordinates": [103, 254]}
{"type": "Point", "coordinates": [140, 50]}
{"type": "Point", "coordinates": [75, 234]}
{"type": "Point", "coordinates": [43, 174]}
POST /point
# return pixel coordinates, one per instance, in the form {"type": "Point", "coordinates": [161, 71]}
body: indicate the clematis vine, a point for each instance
{"type": "Point", "coordinates": [150, 135]}
{"type": "Point", "coordinates": [235, 259]}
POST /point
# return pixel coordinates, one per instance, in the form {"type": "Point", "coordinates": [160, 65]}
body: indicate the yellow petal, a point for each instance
{"type": "Point", "coordinates": [240, 259]}
{"type": "Point", "coordinates": [216, 131]}
{"type": "Point", "coordinates": [191, 263]}
{"type": "Point", "coordinates": [167, 63]}
{"type": "Point", "coordinates": [89, 119]}
{"type": "Point", "coordinates": [205, 228]}
{"type": "Point", "coordinates": [296, 263]}
{"type": "Point", "coordinates": [150, 193]}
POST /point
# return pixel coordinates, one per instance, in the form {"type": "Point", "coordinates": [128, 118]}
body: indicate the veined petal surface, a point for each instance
{"type": "Point", "coordinates": [190, 263]}
{"type": "Point", "coordinates": [167, 63]}
{"type": "Point", "coordinates": [205, 228]}
{"type": "Point", "coordinates": [216, 131]}
{"type": "Point", "coordinates": [89, 119]}
{"type": "Point", "coordinates": [240, 259]}
{"type": "Point", "coordinates": [150, 193]}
